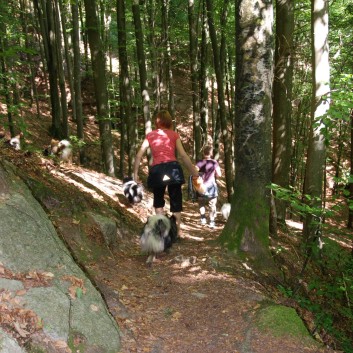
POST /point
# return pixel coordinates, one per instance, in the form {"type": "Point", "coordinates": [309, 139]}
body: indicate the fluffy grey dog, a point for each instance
{"type": "Point", "coordinates": [158, 234]}
{"type": "Point", "coordinates": [225, 210]}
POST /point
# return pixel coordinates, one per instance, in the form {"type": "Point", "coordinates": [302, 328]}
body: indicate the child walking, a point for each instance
{"type": "Point", "coordinates": [209, 169]}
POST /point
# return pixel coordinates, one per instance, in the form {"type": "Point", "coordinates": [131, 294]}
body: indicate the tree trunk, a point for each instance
{"type": "Point", "coordinates": [221, 101]}
{"type": "Point", "coordinates": [61, 73]}
{"type": "Point", "coordinates": [142, 66]}
{"type": "Point", "coordinates": [204, 80]}
{"type": "Point", "coordinates": [247, 229]}
{"type": "Point", "coordinates": [194, 80]}
{"type": "Point", "coordinates": [77, 76]}
{"type": "Point", "coordinates": [350, 210]}
{"type": "Point", "coordinates": [100, 86]}
{"type": "Point", "coordinates": [46, 21]}
{"type": "Point", "coordinates": [125, 87]}
{"type": "Point", "coordinates": [282, 101]}
{"type": "Point", "coordinates": [313, 185]}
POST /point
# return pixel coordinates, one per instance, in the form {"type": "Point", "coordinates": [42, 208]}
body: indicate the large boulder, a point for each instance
{"type": "Point", "coordinates": [40, 277]}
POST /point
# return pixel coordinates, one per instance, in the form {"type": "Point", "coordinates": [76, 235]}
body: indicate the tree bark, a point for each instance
{"type": "Point", "coordinates": [221, 101]}
{"type": "Point", "coordinates": [313, 184]}
{"type": "Point", "coordinates": [282, 101]}
{"type": "Point", "coordinates": [100, 86]}
{"type": "Point", "coordinates": [127, 118]}
{"type": "Point", "coordinates": [247, 229]}
{"type": "Point", "coordinates": [194, 80]}
{"type": "Point", "coordinates": [142, 66]}
{"type": "Point", "coordinates": [77, 75]}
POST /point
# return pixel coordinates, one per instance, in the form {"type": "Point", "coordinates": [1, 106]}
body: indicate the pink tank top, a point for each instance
{"type": "Point", "coordinates": [163, 145]}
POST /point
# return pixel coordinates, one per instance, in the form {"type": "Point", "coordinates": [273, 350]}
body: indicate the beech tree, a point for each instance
{"type": "Point", "coordinates": [282, 101]}
{"type": "Point", "coordinates": [247, 229]}
{"type": "Point", "coordinates": [313, 186]}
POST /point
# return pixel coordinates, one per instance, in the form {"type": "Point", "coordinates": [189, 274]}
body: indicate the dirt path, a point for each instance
{"type": "Point", "coordinates": [193, 299]}
{"type": "Point", "coordinates": [185, 303]}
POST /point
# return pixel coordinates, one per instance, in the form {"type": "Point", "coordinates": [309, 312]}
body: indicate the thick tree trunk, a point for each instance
{"type": "Point", "coordinates": [247, 229]}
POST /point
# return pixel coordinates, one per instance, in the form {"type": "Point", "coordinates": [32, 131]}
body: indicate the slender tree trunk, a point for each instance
{"type": "Point", "coordinates": [247, 229]}
{"type": "Point", "coordinates": [125, 86]}
{"type": "Point", "coordinates": [313, 185]}
{"type": "Point", "coordinates": [142, 66]}
{"type": "Point", "coordinates": [68, 58]}
{"type": "Point", "coordinates": [44, 12]}
{"type": "Point", "coordinates": [61, 73]}
{"type": "Point", "coordinates": [5, 82]}
{"type": "Point", "coordinates": [77, 75]}
{"type": "Point", "coordinates": [350, 212]}
{"type": "Point", "coordinates": [204, 81]}
{"type": "Point", "coordinates": [100, 86]}
{"type": "Point", "coordinates": [194, 79]}
{"type": "Point", "coordinates": [221, 100]}
{"type": "Point", "coordinates": [282, 101]}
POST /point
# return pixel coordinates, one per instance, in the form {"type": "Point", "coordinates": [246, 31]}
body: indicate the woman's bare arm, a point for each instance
{"type": "Point", "coordinates": [185, 158]}
{"type": "Point", "coordinates": [140, 153]}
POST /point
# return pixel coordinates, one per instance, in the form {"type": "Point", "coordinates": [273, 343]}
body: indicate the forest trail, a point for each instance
{"type": "Point", "coordinates": [193, 299]}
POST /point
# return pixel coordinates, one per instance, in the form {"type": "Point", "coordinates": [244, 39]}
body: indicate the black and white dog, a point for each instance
{"type": "Point", "coordinates": [132, 191]}
{"type": "Point", "coordinates": [159, 233]}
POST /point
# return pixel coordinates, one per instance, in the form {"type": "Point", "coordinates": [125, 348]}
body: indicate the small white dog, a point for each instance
{"type": "Point", "coordinates": [225, 210]}
{"type": "Point", "coordinates": [65, 151]}
{"type": "Point", "coordinates": [15, 141]}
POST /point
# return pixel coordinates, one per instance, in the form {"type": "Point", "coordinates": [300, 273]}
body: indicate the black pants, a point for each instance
{"type": "Point", "coordinates": [175, 197]}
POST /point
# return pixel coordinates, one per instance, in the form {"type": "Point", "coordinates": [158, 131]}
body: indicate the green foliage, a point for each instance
{"type": "Point", "coordinates": [329, 294]}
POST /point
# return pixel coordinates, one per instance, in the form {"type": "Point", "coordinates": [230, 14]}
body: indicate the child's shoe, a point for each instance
{"type": "Point", "coordinates": [203, 221]}
{"type": "Point", "coordinates": [212, 224]}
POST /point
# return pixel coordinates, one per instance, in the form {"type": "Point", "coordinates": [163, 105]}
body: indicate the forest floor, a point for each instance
{"type": "Point", "coordinates": [195, 298]}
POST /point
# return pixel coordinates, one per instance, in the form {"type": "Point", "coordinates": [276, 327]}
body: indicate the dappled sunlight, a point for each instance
{"type": "Point", "coordinates": [293, 224]}
{"type": "Point", "coordinates": [202, 276]}
{"type": "Point", "coordinates": [100, 186]}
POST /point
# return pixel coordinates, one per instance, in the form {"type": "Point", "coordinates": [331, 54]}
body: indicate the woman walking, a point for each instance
{"type": "Point", "coordinates": [165, 171]}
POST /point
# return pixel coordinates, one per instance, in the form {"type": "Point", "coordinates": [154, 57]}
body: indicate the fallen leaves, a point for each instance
{"type": "Point", "coordinates": [17, 320]}
{"type": "Point", "coordinates": [77, 288]}
{"type": "Point", "coordinates": [29, 279]}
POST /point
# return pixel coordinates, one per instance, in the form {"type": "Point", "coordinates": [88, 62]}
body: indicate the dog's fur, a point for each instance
{"type": "Point", "coordinates": [132, 191]}
{"type": "Point", "coordinates": [61, 149]}
{"type": "Point", "coordinates": [225, 210]}
{"type": "Point", "coordinates": [65, 151]}
{"type": "Point", "coordinates": [15, 141]}
{"type": "Point", "coordinates": [159, 233]}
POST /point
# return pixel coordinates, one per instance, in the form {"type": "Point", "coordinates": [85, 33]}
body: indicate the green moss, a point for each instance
{"type": "Point", "coordinates": [282, 321]}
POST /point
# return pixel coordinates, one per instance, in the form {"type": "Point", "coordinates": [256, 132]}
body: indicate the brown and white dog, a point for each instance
{"type": "Point", "coordinates": [61, 149]}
